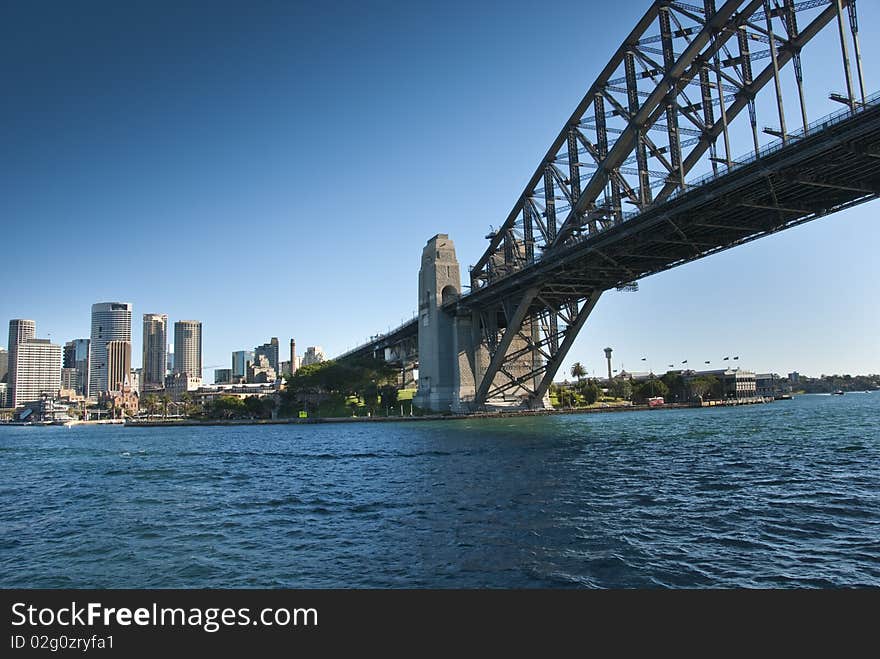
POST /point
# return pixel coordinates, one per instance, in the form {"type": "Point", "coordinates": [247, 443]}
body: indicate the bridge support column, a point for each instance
{"type": "Point", "coordinates": [443, 339]}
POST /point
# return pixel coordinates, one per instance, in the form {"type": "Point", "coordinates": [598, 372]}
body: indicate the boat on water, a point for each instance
{"type": "Point", "coordinates": [839, 392]}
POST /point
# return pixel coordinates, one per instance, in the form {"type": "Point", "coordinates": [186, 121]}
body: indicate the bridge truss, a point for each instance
{"type": "Point", "coordinates": [642, 177]}
{"type": "Point", "coordinates": [663, 107]}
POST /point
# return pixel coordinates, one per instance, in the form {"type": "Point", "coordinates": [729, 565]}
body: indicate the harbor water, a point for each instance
{"type": "Point", "coordinates": [785, 494]}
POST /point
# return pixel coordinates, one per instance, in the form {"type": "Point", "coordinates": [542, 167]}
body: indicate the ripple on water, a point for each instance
{"type": "Point", "coordinates": [780, 495]}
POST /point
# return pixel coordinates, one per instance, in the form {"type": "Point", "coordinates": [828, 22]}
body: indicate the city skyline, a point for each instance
{"type": "Point", "coordinates": [796, 301]}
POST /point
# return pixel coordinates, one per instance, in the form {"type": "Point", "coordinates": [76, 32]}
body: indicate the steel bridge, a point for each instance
{"type": "Point", "coordinates": [663, 109]}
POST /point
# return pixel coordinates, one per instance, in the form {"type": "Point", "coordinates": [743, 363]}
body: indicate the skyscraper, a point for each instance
{"type": "Point", "coordinates": [271, 352]}
{"type": "Point", "coordinates": [240, 360]}
{"type": "Point", "coordinates": [155, 351]}
{"type": "Point", "coordinates": [4, 366]}
{"type": "Point", "coordinates": [118, 364]}
{"type": "Point", "coordinates": [19, 332]}
{"type": "Point", "coordinates": [111, 321]}
{"type": "Point", "coordinates": [37, 370]}
{"type": "Point", "coordinates": [188, 348]}
{"type": "Point", "coordinates": [76, 356]}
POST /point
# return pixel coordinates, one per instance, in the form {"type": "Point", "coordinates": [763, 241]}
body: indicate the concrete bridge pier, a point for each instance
{"type": "Point", "coordinates": [443, 338]}
{"type": "Point", "coordinates": [453, 355]}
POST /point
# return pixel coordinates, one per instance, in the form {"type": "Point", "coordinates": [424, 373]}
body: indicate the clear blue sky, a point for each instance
{"type": "Point", "coordinates": [274, 169]}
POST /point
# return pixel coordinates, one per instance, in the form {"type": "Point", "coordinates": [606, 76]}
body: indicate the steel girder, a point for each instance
{"type": "Point", "coordinates": [641, 129]}
{"type": "Point", "coordinates": [526, 348]}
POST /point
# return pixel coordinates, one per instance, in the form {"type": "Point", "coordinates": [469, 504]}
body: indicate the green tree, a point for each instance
{"type": "Point", "coordinates": [166, 401]}
{"type": "Point", "coordinates": [650, 389]}
{"type": "Point", "coordinates": [621, 388]}
{"type": "Point", "coordinates": [259, 407]}
{"type": "Point", "coordinates": [388, 392]}
{"type": "Point", "coordinates": [675, 383]}
{"type": "Point", "coordinates": [151, 404]}
{"type": "Point", "coordinates": [578, 371]}
{"type": "Point", "coordinates": [590, 391]}
{"type": "Point", "coordinates": [704, 385]}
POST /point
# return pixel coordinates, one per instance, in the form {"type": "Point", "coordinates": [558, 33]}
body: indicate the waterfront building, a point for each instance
{"type": "Point", "coordinates": [222, 375]}
{"type": "Point", "coordinates": [20, 330]}
{"type": "Point", "coordinates": [37, 371]}
{"type": "Point", "coordinates": [155, 351]}
{"type": "Point", "coordinates": [794, 377]}
{"type": "Point", "coordinates": [178, 384]}
{"type": "Point", "coordinates": [4, 366]}
{"type": "Point", "coordinates": [313, 355]}
{"type": "Point", "coordinates": [121, 403]}
{"type": "Point", "coordinates": [240, 361]}
{"type": "Point", "coordinates": [76, 356]}
{"type": "Point", "coordinates": [44, 408]}
{"type": "Point", "coordinates": [735, 383]}
{"type": "Point", "coordinates": [205, 395]}
{"type": "Point", "coordinates": [111, 321]}
{"type": "Point", "coordinates": [771, 385]}
{"type": "Point", "coordinates": [118, 365]}
{"type": "Point", "coordinates": [271, 352]}
{"type": "Point", "coordinates": [188, 348]}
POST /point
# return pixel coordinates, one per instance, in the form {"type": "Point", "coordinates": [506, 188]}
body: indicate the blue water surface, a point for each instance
{"type": "Point", "coordinates": [779, 495]}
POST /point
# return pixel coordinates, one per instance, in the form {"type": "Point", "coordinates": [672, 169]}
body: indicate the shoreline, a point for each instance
{"type": "Point", "coordinates": [427, 417]}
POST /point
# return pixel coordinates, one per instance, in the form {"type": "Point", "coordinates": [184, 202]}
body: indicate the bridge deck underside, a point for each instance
{"type": "Point", "coordinates": [830, 170]}
{"type": "Point", "coordinates": [804, 180]}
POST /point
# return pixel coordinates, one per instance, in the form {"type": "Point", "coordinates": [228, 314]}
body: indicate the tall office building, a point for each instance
{"type": "Point", "coordinates": [111, 321]}
{"type": "Point", "coordinates": [37, 371]}
{"type": "Point", "coordinates": [68, 379]}
{"type": "Point", "coordinates": [118, 365]}
{"type": "Point", "coordinates": [19, 331]}
{"type": "Point", "coordinates": [76, 356]}
{"type": "Point", "coordinates": [188, 348]}
{"type": "Point", "coordinates": [155, 351]}
{"type": "Point", "coordinates": [240, 360]}
{"type": "Point", "coordinates": [4, 366]}
{"type": "Point", "coordinates": [271, 352]}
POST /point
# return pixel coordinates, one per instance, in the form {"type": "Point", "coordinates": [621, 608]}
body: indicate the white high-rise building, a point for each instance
{"type": "Point", "coordinates": [19, 331]}
{"type": "Point", "coordinates": [188, 348]}
{"type": "Point", "coordinates": [37, 370]}
{"type": "Point", "coordinates": [111, 321]}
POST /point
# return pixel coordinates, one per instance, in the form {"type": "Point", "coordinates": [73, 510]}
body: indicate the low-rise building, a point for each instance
{"type": "Point", "coordinates": [177, 384]}
{"type": "Point", "coordinates": [242, 391]}
{"type": "Point", "coordinates": [771, 385]}
{"type": "Point", "coordinates": [121, 403]}
{"type": "Point", "coordinates": [735, 383]}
